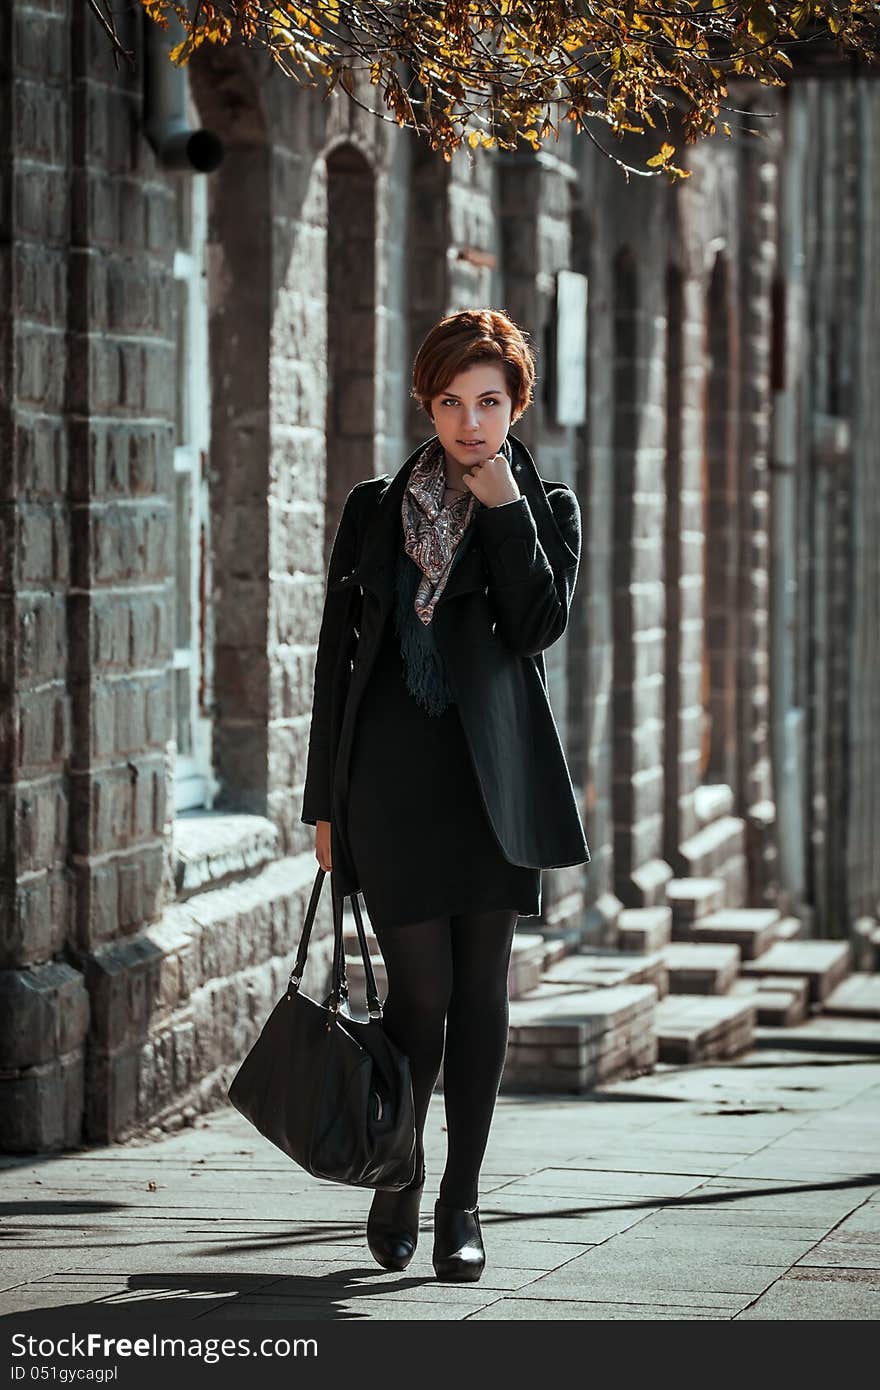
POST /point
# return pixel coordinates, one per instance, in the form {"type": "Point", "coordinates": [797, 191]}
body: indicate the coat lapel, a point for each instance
{"type": "Point", "coordinates": [375, 568]}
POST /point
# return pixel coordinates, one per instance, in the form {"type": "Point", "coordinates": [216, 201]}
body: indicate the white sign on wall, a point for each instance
{"type": "Point", "coordinates": [570, 367]}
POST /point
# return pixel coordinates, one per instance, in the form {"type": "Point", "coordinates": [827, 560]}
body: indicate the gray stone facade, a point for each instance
{"type": "Point", "coordinates": [722, 660]}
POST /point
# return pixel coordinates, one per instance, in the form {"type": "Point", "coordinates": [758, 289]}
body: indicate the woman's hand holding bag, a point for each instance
{"type": "Point", "coordinates": [334, 1093]}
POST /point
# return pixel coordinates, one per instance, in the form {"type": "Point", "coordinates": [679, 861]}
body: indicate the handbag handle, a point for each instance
{"type": "Point", "coordinates": [339, 983]}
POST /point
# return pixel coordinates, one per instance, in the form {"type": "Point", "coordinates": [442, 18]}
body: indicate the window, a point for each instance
{"type": "Point", "coordinates": [195, 785]}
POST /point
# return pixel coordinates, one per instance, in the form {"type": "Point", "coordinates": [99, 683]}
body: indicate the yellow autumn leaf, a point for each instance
{"type": "Point", "coordinates": [663, 156]}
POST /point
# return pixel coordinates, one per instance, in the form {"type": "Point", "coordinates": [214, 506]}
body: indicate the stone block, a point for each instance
{"type": "Point", "coordinates": [526, 963]}
{"type": "Point", "coordinates": [698, 1029]}
{"type": "Point", "coordinates": [123, 983]}
{"type": "Point", "coordinates": [601, 969]}
{"type": "Point", "coordinates": [705, 854]}
{"type": "Point", "coordinates": [789, 929]}
{"type": "Point", "coordinates": [823, 963]}
{"type": "Point", "coordinates": [692, 898]}
{"type": "Point", "coordinates": [825, 1033]}
{"type": "Point", "coordinates": [856, 997]}
{"type": "Point", "coordinates": [649, 881]}
{"type": "Point", "coordinates": [111, 1094]}
{"type": "Point", "coordinates": [565, 1039]}
{"type": "Point", "coordinates": [781, 1001]}
{"type": "Point", "coordinates": [644, 928]}
{"type": "Point", "coordinates": [33, 918]}
{"type": "Point", "coordinates": [44, 1013]}
{"type": "Point", "coordinates": [780, 1008]}
{"type": "Point", "coordinates": [41, 1108]}
{"type": "Point", "coordinates": [752, 929]}
{"type": "Point", "coordinates": [699, 968]}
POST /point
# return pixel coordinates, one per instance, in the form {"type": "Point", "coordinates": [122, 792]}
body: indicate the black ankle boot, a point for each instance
{"type": "Point", "coordinates": [458, 1243]}
{"type": "Point", "coordinates": [393, 1225]}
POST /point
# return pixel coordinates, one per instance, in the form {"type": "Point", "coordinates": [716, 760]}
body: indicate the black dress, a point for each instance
{"type": "Point", "coordinates": [417, 827]}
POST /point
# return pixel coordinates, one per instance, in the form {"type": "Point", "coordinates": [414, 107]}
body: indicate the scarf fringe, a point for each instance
{"type": "Point", "coordinates": [425, 671]}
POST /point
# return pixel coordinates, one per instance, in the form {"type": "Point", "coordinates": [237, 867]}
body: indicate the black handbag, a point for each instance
{"type": "Point", "coordinates": [333, 1092]}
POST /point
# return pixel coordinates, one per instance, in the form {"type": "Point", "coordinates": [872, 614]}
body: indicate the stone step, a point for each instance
{"type": "Point", "coordinates": [526, 963]}
{"type": "Point", "coordinates": [691, 898]}
{"type": "Point", "coordinates": [866, 944]}
{"type": "Point", "coordinates": [603, 969]}
{"type": "Point", "coordinates": [212, 848]}
{"type": "Point", "coordinates": [555, 949]}
{"type": "Point", "coordinates": [649, 880]}
{"type": "Point", "coordinates": [565, 1039]}
{"type": "Point", "coordinates": [782, 1001]}
{"type": "Point", "coordinates": [856, 997]}
{"type": "Point", "coordinates": [644, 928]}
{"type": "Point", "coordinates": [357, 985]}
{"type": "Point", "coordinates": [697, 968]}
{"type": "Point", "coordinates": [527, 960]}
{"type": "Point", "coordinates": [713, 800]}
{"type": "Point", "coordinates": [750, 928]}
{"type": "Point", "coordinates": [705, 854]}
{"type": "Point", "coordinates": [566, 999]}
{"type": "Point", "coordinates": [789, 929]}
{"type": "Point", "coordinates": [858, 1036]}
{"type": "Point", "coordinates": [694, 1028]}
{"type": "Point", "coordinates": [824, 963]}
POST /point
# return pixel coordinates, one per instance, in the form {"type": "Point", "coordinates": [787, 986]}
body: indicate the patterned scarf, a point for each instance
{"type": "Point", "coordinates": [432, 531]}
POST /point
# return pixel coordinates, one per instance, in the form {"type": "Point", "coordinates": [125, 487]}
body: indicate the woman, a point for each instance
{"type": "Point", "coordinates": [436, 780]}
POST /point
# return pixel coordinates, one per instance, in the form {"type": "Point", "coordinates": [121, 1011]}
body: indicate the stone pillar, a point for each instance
{"type": "Point", "coordinates": [428, 234]}
{"type": "Point", "coordinates": [121, 402]}
{"type": "Point", "coordinates": [43, 1004]}
{"type": "Point", "coordinates": [536, 242]}
{"type": "Point", "coordinates": [758, 251]}
{"type": "Point", "coordinates": [638, 569]}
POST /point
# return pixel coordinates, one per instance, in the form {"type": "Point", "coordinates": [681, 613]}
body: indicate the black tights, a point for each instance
{"type": "Point", "coordinates": [452, 971]}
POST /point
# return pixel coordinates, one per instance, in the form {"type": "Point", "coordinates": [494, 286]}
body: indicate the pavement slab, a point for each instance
{"type": "Point", "coordinates": [740, 1189]}
{"type": "Point", "coordinates": [847, 1295]}
{"type": "Point", "coordinates": [535, 1310]}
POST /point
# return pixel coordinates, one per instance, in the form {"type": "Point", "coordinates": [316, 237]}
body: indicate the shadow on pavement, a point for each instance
{"type": "Point", "coordinates": [195, 1297]}
{"type": "Point", "coordinates": [277, 1294]}
{"type": "Point", "coordinates": [55, 1208]}
{"type": "Point", "coordinates": [715, 1197]}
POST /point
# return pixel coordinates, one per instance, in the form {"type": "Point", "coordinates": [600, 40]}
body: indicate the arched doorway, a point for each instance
{"type": "Point", "coordinates": [351, 329]}
{"type": "Point", "coordinates": [719, 485]}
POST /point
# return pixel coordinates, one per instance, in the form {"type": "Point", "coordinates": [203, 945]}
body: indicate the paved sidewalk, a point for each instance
{"type": "Point", "coordinates": [749, 1190]}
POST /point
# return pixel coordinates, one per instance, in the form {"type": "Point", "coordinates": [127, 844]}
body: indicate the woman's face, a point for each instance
{"type": "Point", "coordinates": [472, 416]}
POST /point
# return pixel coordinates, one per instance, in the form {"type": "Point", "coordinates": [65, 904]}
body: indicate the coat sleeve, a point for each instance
{"type": "Point", "coordinates": [335, 645]}
{"type": "Point", "coordinates": [530, 598]}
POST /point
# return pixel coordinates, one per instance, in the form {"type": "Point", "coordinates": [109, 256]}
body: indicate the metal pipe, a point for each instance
{"type": "Point", "coordinates": [166, 123]}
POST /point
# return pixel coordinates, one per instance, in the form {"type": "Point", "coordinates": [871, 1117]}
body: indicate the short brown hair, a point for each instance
{"type": "Point", "coordinates": [474, 335]}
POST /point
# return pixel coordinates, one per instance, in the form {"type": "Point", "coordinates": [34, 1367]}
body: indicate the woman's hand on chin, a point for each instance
{"type": "Point", "coordinates": [492, 482]}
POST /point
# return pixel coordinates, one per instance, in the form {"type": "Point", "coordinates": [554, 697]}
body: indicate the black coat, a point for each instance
{"type": "Point", "coordinates": [506, 600]}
